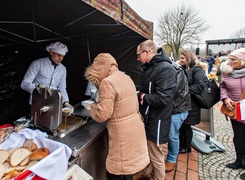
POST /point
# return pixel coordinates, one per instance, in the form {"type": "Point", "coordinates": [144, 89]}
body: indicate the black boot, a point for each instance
{"type": "Point", "coordinates": [242, 176]}
{"type": "Point", "coordinates": [184, 150]}
{"type": "Point", "coordinates": [237, 164]}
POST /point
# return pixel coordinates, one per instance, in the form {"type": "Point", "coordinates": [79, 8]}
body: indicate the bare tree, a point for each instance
{"type": "Point", "coordinates": [239, 34]}
{"type": "Point", "coordinates": [179, 27]}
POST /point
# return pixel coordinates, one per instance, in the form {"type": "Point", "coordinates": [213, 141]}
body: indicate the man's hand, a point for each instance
{"type": "Point", "coordinates": [66, 104]}
{"type": "Point", "coordinates": [140, 97]}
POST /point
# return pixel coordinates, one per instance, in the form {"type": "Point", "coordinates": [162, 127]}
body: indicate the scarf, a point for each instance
{"type": "Point", "coordinates": [238, 73]}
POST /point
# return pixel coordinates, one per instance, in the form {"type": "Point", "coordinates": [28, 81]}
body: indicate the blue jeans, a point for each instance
{"type": "Point", "coordinates": [173, 142]}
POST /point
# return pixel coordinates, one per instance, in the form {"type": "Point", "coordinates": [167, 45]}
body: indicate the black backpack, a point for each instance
{"type": "Point", "coordinates": [181, 73]}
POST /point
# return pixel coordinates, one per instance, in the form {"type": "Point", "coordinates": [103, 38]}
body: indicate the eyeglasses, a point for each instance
{"type": "Point", "coordinates": [140, 53]}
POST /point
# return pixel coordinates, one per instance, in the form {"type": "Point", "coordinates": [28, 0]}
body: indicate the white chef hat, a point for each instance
{"type": "Point", "coordinates": [57, 47]}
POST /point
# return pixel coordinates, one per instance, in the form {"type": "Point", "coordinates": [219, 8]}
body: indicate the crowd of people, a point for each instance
{"type": "Point", "coordinates": [158, 113]}
{"type": "Point", "coordinates": [164, 100]}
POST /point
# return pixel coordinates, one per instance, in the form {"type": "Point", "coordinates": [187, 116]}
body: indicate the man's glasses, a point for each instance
{"type": "Point", "coordinates": [140, 53]}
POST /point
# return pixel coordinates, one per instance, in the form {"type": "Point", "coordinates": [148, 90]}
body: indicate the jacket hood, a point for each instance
{"type": "Point", "coordinates": [202, 65]}
{"type": "Point", "coordinates": [103, 65]}
{"type": "Point", "coordinates": [225, 67]}
{"type": "Point", "coordinates": [159, 57]}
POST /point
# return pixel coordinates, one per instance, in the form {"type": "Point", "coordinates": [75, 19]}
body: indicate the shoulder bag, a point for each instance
{"type": "Point", "coordinates": [238, 111]}
{"type": "Point", "coordinates": [210, 96]}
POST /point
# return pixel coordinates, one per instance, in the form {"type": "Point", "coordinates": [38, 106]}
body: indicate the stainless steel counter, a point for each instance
{"type": "Point", "coordinates": [82, 137]}
{"type": "Point", "coordinates": [89, 148]}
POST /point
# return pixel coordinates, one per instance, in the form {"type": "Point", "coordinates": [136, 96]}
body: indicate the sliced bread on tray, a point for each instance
{"type": "Point", "coordinates": [18, 156]}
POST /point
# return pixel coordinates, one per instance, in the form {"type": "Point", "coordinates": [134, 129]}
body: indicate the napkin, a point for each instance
{"type": "Point", "coordinates": [53, 166]}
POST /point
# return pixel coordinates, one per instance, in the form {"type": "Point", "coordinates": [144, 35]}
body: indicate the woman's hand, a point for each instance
{"type": "Point", "coordinates": [229, 104]}
{"type": "Point", "coordinates": [90, 106]}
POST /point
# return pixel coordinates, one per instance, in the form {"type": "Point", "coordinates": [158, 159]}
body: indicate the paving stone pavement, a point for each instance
{"type": "Point", "coordinates": [212, 166]}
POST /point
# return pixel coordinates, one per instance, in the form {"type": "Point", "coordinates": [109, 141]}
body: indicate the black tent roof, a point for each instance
{"type": "Point", "coordinates": [74, 22]}
{"type": "Point", "coordinates": [87, 27]}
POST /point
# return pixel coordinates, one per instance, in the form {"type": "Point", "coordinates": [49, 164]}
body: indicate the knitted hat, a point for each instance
{"type": "Point", "coordinates": [57, 47]}
{"type": "Point", "coordinates": [239, 53]}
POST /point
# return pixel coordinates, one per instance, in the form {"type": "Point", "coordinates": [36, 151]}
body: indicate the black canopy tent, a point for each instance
{"type": "Point", "coordinates": [87, 27]}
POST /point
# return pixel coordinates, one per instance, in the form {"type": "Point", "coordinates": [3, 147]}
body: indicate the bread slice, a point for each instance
{"type": "Point", "coordinates": [20, 168]}
{"type": "Point", "coordinates": [12, 150]}
{"type": "Point", "coordinates": [3, 156]}
{"type": "Point", "coordinates": [28, 144]}
{"type": "Point", "coordinates": [18, 156]}
{"type": "Point", "coordinates": [25, 161]}
{"type": "Point", "coordinates": [34, 147]}
{"type": "Point", "coordinates": [8, 168]}
{"type": "Point", "coordinates": [2, 169]}
{"type": "Point", "coordinates": [32, 163]}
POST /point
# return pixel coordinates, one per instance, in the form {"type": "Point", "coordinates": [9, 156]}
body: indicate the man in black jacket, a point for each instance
{"type": "Point", "coordinates": [156, 94]}
{"type": "Point", "coordinates": [181, 106]}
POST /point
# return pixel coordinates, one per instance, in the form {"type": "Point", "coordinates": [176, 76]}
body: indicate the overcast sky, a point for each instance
{"type": "Point", "coordinates": [223, 17]}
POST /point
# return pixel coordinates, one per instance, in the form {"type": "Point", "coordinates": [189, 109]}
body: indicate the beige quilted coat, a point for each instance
{"type": "Point", "coordinates": [118, 107]}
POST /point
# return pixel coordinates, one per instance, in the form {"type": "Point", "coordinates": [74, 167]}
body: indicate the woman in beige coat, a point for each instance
{"type": "Point", "coordinates": [118, 107]}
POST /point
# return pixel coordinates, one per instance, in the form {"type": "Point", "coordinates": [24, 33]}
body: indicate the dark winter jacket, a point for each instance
{"type": "Point", "coordinates": [158, 83]}
{"type": "Point", "coordinates": [182, 98]}
{"type": "Point", "coordinates": [211, 61]}
{"type": "Point", "coordinates": [196, 81]}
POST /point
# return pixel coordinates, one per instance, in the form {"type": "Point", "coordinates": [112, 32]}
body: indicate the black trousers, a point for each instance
{"type": "Point", "coordinates": [239, 137]}
{"type": "Point", "coordinates": [185, 136]}
{"type": "Point", "coordinates": [110, 176]}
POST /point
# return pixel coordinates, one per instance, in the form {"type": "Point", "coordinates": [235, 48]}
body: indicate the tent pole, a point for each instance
{"type": "Point", "coordinates": [88, 46]}
{"type": "Point", "coordinates": [34, 23]}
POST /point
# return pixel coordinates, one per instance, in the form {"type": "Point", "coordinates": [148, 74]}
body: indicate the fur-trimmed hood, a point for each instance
{"type": "Point", "coordinates": [103, 65]}
{"type": "Point", "coordinates": [202, 65]}
{"type": "Point", "coordinates": [225, 67]}
{"type": "Point", "coordinates": [118, 106]}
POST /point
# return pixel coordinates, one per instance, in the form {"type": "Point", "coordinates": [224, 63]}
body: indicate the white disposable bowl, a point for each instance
{"type": "Point", "coordinates": [87, 102]}
{"type": "Point", "coordinates": [69, 109]}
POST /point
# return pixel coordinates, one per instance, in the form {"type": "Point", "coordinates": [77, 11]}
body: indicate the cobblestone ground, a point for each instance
{"type": "Point", "coordinates": [212, 166]}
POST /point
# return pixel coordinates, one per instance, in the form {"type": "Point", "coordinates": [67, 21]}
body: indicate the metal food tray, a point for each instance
{"type": "Point", "coordinates": [72, 123]}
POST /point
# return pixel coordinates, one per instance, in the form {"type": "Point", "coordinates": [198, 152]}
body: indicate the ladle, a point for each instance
{"type": "Point", "coordinates": [66, 112]}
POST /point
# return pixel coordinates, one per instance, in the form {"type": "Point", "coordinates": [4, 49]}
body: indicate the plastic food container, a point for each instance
{"type": "Point", "coordinates": [87, 102]}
